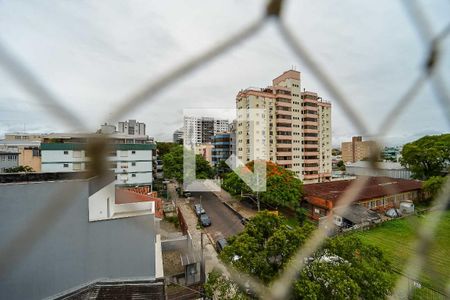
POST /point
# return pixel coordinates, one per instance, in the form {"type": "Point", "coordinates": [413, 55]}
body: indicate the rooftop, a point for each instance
{"type": "Point", "coordinates": [374, 188]}
{"type": "Point", "coordinates": [37, 177]}
{"type": "Point", "coordinates": [385, 165]}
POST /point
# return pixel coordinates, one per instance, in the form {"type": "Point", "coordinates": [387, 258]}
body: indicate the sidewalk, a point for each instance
{"type": "Point", "coordinates": [245, 212]}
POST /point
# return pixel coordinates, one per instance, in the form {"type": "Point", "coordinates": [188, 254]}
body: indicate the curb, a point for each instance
{"type": "Point", "coordinates": [233, 210]}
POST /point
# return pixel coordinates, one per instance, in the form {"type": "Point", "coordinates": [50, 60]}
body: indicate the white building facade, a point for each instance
{"type": "Point", "coordinates": [131, 159]}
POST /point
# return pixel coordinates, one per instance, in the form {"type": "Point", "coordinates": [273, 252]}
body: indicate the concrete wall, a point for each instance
{"type": "Point", "coordinates": [71, 251]}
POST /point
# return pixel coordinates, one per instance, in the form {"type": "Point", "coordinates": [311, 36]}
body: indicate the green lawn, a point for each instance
{"type": "Point", "coordinates": [396, 239]}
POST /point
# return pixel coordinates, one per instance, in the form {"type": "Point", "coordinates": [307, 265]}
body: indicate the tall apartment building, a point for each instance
{"type": "Point", "coordinates": [131, 127]}
{"type": "Point", "coordinates": [200, 130]}
{"type": "Point", "coordinates": [292, 130]}
{"type": "Point", "coordinates": [129, 156]}
{"type": "Point", "coordinates": [357, 149]}
{"type": "Point", "coordinates": [221, 126]}
{"type": "Point", "coordinates": [178, 136]}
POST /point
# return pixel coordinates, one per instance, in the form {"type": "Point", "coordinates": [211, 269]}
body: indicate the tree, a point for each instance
{"type": "Point", "coordinates": [219, 287]}
{"type": "Point", "coordinates": [173, 165]}
{"type": "Point", "coordinates": [222, 169]}
{"type": "Point", "coordinates": [344, 268]}
{"type": "Point", "coordinates": [433, 185]}
{"type": "Point", "coordinates": [282, 187]}
{"type": "Point", "coordinates": [335, 151]}
{"type": "Point", "coordinates": [427, 156]}
{"type": "Point", "coordinates": [26, 169]}
{"type": "Point", "coordinates": [265, 245]}
{"type": "Point", "coordinates": [341, 165]}
{"type": "Point", "coordinates": [164, 147]}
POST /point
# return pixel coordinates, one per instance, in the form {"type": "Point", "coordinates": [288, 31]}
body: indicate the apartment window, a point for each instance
{"type": "Point", "coordinates": [65, 165]}
{"type": "Point", "coordinates": [66, 152]}
{"type": "Point", "coordinates": [133, 164]}
{"type": "Point", "coordinates": [133, 175]}
{"type": "Point", "coordinates": [133, 152]}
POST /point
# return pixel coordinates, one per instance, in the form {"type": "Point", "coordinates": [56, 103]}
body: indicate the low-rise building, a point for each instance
{"type": "Point", "coordinates": [386, 168]}
{"type": "Point", "coordinates": [205, 150]}
{"type": "Point", "coordinates": [129, 156]}
{"type": "Point", "coordinates": [29, 152]}
{"type": "Point", "coordinates": [67, 233]}
{"type": "Point", "coordinates": [379, 193]}
{"type": "Point", "coordinates": [8, 160]}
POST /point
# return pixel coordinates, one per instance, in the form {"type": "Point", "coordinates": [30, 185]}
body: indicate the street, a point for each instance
{"type": "Point", "coordinates": [223, 221]}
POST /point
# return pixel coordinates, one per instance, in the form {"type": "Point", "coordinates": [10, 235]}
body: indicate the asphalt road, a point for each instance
{"type": "Point", "coordinates": [223, 221]}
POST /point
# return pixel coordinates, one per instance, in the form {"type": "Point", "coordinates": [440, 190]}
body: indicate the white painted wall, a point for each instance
{"type": "Point", "coordinates": [54, 160]}
{"type": "Point", "coordinates": [101, 204]}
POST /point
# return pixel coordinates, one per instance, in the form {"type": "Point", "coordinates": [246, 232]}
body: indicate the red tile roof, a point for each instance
{"type": "Point", "coordinates": [124, 195]}
{"type": "Point", "coordinates": [376, 187]}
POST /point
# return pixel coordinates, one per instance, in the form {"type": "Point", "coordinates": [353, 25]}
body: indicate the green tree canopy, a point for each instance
{"type": "Point", "coordinates": [173, 165]}
{"type": "Point", "coordinates": [283, 188]}
{"type": "Point", "coordinates": [433, 185]}
{"type": "Point", "coordinates": [344, 268]}
{"type": "Point", "coordinates": [164, 147]}
{"type": "Point", "coordinates": [18, 169]}
{"type": "Point", "coordinates": [427, 156]}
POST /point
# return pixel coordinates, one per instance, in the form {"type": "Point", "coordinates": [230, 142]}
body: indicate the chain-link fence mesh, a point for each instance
{"type": "Point", "coordinates": [281, 287]}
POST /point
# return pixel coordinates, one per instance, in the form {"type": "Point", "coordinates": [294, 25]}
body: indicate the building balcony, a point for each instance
{"type": "Point", "coordinates": [310, 153]}
{"type": "Point", "coordinates": [310, 123]}
{"type": "Point", "coordinates": [284, 104]}
{"type": "Point", "coordinates": [284, 153]}
{"type": "Point", "coordinates": [306, 99]}
{"type": "Point", "coordinates": [306, 146]}
{"type": "Point", "coordinates": [283, 112]}
{"type": "Point", "coordinates": [311, 130]}
{"type": "Point", "coordinates": [284, 128]}
{"type": "Point", "coordinates": [311, 168]}
{"type": "Point", "coordinates": [284, 137]}
{"type": "Point", "coordinates": [310, 116]}
{"type": "Point", "coordinates": [311, 161]}
{"type": "Point", "coordinates": [311, 138]}
{"type": "Point", "coordinates": [284, 162]}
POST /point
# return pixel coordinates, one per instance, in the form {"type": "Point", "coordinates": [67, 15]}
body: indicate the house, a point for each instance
{"type": "Point", "coordinates": [379, 193]}
{"type": "Point", "coordinates": [354, 215]}
{"type": "Point", "coordinates": [72, 236]}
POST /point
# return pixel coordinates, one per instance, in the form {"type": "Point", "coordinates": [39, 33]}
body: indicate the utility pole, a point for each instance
{"type": "Point", "coordinates": [202, 261]}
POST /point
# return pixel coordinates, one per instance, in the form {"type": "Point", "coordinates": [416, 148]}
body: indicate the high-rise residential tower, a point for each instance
{"type": "Point", "coordinates": [131, 127]}
{"type": "Point", "coordinates": [287, 126]}
{"type": "Point", "coordinates": [200, 130]}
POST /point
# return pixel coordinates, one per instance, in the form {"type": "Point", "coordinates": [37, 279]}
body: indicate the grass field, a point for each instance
{"type": "Point", "coordinates": [396, 239]}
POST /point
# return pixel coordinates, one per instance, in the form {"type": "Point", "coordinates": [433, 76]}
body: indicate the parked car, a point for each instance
{"type": "Point", "coordinates": [220, 244]}
{"type": "Point", "coordinates": [205, 220]}
{"type": "Point", "coordinates": [199, 210]}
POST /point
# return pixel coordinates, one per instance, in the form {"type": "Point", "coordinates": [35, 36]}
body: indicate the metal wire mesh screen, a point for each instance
{"type": "Point", "coordinates": [273, 17]}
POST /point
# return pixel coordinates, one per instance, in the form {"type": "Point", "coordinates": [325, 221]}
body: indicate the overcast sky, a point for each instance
{"type": "Point", "coordinates": [92, 54]}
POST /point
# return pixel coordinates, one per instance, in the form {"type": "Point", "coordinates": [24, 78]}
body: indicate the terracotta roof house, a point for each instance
{"type": "Point", "coordinates": [379, 193]}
